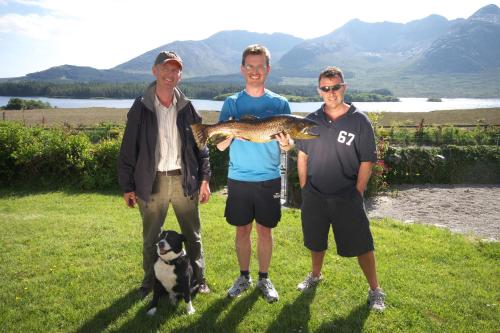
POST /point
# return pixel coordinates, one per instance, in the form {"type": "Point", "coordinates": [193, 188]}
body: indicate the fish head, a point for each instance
{"type": "Point", "coordinates": [300, 128]}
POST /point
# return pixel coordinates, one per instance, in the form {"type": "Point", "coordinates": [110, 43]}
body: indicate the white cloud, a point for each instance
{"type": "Point", "coordinates": [40, 27]}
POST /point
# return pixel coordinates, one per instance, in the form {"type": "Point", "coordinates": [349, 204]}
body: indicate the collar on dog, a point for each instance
{"type": "Point", "coordinates": [173, 261]}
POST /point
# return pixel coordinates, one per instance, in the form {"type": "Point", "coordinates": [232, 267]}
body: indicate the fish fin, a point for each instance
{"type": "Point", "coordinates": [218, 138]}
{"type": "Point", "coordinates": [273, 136]}
{"type": "Point", "coordinates": [248, 117]}
{"type": "Point", "coordinates": [200, 135]}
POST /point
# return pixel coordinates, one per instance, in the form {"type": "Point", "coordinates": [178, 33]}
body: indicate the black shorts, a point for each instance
{"type": "Point", "coordinates": [247, 201]}
{"type": "Point", "coordinates": [346, 215]}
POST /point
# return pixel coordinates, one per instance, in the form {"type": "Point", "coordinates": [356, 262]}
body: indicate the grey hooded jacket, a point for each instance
{"type": "Point", "coordinates": [136, 161]}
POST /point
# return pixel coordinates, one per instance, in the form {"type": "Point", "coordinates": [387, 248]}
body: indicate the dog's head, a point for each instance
{"type": "Point", "coordinates": [169, 244]}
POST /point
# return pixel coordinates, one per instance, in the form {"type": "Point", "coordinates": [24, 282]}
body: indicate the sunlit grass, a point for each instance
{"type": "Point", "coordinates": [71, 262]}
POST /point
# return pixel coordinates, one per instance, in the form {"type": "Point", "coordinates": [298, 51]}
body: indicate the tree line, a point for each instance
{"type": "Point", "coordinates": [196, 90]}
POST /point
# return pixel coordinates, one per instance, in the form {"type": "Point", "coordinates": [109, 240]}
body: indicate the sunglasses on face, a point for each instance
{"type": "Point", "coordinates": [332, 88]}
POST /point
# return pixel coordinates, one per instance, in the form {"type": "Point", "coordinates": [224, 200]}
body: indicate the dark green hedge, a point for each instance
{"type": "Point", "coordinates": [36, 156]}
{"type": "Point", "coordinates": [441, 135]}
{"type": "Point", "coordinates": [443, 165]}
{"type": "Point", "coordinates": [67, 157]}
{"type": "Point", "coordinates": [57, 157]}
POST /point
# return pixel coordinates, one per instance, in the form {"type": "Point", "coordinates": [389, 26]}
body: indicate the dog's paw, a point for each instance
{"type": "Point", "coordinates": [151, 312]}
{"type": "Point", "coordinates": [190, 309]}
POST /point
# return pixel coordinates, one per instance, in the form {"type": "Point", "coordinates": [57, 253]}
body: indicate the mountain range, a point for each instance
{"type": "Point", "coordinates": [432, 56]}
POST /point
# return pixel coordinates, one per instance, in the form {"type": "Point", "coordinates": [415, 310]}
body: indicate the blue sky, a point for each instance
{"type": "Point", "coordinates": [38, 34]}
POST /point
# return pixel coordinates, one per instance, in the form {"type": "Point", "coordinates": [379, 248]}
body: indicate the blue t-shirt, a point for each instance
{"type": "Point", "coordinates": [251, 161]}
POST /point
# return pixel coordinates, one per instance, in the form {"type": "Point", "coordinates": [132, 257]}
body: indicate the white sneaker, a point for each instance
{"type": "Point", "coordinates": [309, 282]}
{"type": "Point", "coordinates": [268, 290]}
{"type": "Point", "coordinates": [241, 284]}
{"type": "Point", "coordinates": [376, 299]}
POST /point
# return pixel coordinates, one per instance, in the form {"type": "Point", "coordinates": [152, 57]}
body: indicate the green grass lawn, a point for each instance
{"type": "Point", "coordinates": [71, 262]}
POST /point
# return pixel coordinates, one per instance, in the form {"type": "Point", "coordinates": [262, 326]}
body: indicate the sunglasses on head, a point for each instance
{"type": "Point", "coordinates": [332, 88]}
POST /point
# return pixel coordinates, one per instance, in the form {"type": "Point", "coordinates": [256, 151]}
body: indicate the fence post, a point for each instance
{"type": "Point", "coordinates": [284, 177]}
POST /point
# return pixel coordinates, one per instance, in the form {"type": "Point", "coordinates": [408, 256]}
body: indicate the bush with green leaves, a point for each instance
{"type": "Point", "coordinates": [101, 169]}
{"type": "Point", "coordinates": [472, 164]}
{"type": "Point", "coordinates": [443, 165]}
{"type": "Point", "coordinates": [441, 135]}
{"type": "Point", "coordinates": [11, 135]}
{"type": "Point", "coordinates": [49, 157]}
{"type": "Point", "coordinates": [66, 156]}
{"type": "Point", "coordinates": [26, 104]}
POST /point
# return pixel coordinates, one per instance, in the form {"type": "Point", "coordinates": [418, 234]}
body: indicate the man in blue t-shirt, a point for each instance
{"type": "Point", "coordinates": [254, 183]}
{"type": "Point", "coordinates": [333, 173]}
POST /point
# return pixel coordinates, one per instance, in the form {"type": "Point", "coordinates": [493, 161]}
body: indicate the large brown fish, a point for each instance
{"type": "Point", "coordinates": [254, 129]}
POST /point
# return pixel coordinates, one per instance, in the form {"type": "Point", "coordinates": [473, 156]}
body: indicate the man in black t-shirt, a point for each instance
{"type": "Point", "coordinates": [333, 173]}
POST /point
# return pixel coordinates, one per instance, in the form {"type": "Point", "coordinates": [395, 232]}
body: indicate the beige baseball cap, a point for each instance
{"type": "Point", "coordinates": [168, 56]}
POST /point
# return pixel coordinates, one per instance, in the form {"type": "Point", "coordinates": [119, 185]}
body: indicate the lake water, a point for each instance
{"type": "Point", "coordinates": [405, 104]}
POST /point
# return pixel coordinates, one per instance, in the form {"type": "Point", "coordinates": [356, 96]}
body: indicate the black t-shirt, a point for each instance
{"type": "Point", "coordinates": [334, 158]}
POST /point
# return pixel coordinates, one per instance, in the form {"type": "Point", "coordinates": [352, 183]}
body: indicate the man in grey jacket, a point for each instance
{"type": "Point", "coordinates": [159, 163]}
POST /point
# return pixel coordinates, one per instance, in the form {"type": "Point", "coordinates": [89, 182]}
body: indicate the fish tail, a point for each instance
{"type": "Point", "coordinates": [200, 135]}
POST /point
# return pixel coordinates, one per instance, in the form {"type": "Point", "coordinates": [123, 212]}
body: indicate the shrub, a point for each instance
{"type": "Point", "coordinates": [472, 164]}
{"type": "Point", "coordinates": [51, 156]}
{"type": "Point", "coordinates": [10, 136]}
{"type": "Point", "coordinates": [100, 169]}
{"type": "Point", "coordinates": [65, 156]}
{"type": "Point", "coordinates": [26, 104]}
{"type": "Point", "coordinates": [34, 155]}
{"type": "Point", "coordinates": [415, 165]}
{"type": "Point", "coordinates": [378, 180]}
{"type": "Point", "coordinates": [439, 135]}
{"type": "Point", "coordinates": [443, 165]}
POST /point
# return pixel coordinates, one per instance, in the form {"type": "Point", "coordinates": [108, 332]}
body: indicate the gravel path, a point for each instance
{"type": "Point", "coordinates": [469, 209]}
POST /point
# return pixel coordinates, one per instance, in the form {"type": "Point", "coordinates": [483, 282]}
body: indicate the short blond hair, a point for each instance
{"type": "Point", "coordinates": [256, 49]}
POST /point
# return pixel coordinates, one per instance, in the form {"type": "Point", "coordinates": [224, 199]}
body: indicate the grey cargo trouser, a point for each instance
{"type": "Point", "coordinates": [166, 190]}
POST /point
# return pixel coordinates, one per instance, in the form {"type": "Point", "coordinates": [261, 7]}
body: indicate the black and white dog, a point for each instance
{"type": "Point", "coordinates": [173, 272]}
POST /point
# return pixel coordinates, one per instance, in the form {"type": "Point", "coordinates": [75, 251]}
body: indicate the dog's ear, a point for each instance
{"type": "Point", "coordinates": [183, 238]}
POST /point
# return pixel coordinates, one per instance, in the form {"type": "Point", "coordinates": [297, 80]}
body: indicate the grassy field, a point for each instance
{"type": "Point", "coordinates": [71, 262]}
{"type": "Point", "coordinates": [93, 116]}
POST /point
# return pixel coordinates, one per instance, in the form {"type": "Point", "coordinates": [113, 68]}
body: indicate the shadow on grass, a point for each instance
{"type": "Point", "coordinates": [208, 320]}
{"type": "Point", "coordinates": [353, 323]}
{"type": "Point", "coordinates": [107, 316]}
{"type": "Point", "coordinates": [142, 322]}
{"type": "Point", "coordinates": [295, 315]}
